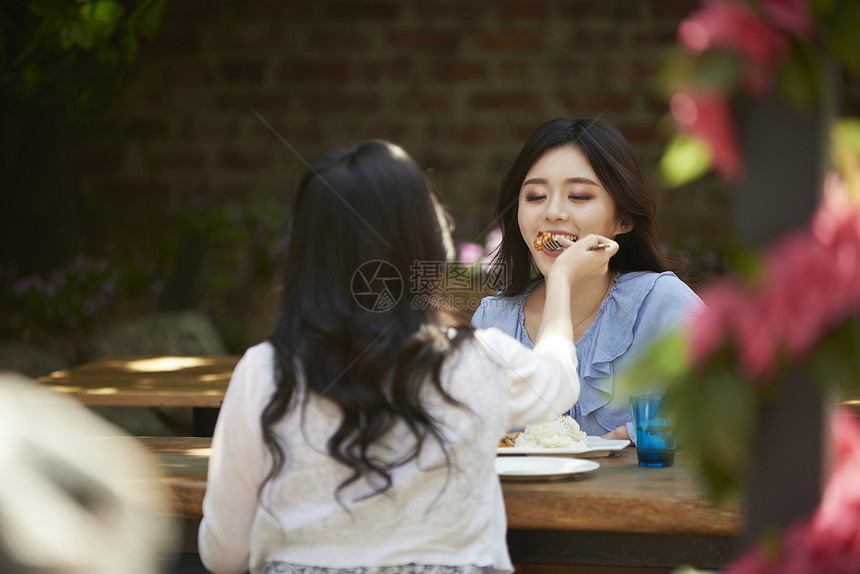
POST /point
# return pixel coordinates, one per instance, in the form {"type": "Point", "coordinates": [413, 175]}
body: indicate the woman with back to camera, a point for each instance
{"type": "Point", "coordinates": [364, 435]}
{"type": "Point", "coordinates": [572, 178]}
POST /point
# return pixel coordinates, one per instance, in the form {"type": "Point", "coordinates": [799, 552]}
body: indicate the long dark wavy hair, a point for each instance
{"type": "Point", "coordinates": [613, 161]}
{"type": "Point", "coordinates": [363, 215]}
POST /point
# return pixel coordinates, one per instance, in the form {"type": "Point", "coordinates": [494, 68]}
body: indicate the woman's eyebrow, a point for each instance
{"type": "Point", "coordinates": [543, 181]}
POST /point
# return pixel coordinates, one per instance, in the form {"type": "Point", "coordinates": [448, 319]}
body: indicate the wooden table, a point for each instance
{"type": "Point", "coordinates": [147, 381]}
{"type": "Point", "coordinates": [198, 382]}
{"type": "Point", "coordinates": [619, 514]}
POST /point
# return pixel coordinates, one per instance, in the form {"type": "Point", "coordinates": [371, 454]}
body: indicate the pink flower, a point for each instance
{"type": "Point", "coordinates": [735, 27]}
{"type": "Point", "coordinates": [470, 253]}
{"type": "Point", "coordinates": [829, 541]}
{"type": "Point", "coordinates": [757, 340]}
{"type": "Point", "coordinates": [707, 116]}
{"type": "Point", "coordinates": [793, 16]}
{"type": "Point", "coordinates": [710, 325]}
{"type": "Point", "coordinates": [491, 244]}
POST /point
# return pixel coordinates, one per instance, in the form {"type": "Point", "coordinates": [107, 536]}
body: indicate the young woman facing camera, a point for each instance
{"type": "Point", "coordinates": [572, 179]}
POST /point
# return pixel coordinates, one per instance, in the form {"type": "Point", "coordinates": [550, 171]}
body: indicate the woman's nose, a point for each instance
{"type": "Point", "coordinates": [555, 210]}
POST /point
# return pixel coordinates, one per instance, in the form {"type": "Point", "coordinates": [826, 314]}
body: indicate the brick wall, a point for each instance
{"type": "Point", "coordinates": [231, 97]}
{"type": "Point", "coordinates": [459, 83]}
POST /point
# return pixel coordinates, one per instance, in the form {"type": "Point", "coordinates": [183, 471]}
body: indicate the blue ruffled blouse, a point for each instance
{"type": "Point", "coordinates": [639, 307]}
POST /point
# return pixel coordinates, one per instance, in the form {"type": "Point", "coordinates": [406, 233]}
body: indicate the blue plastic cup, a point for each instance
{"type": "Point", "coordinates": [655, 435]}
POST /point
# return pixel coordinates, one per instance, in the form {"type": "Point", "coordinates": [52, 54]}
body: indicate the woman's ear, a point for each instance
{"type": "Point", "coordinates": [622, 227]}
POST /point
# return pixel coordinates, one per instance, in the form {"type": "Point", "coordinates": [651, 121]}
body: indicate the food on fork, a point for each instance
{"type": "Point", "coordinates": [546, 240]}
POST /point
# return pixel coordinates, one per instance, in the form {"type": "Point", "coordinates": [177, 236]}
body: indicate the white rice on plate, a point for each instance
{"type": "Point", "coordinates": [563, 432]}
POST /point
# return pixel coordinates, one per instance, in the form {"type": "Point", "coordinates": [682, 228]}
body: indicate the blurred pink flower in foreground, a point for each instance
{"type": "Point", "coordinates": [793, 16]}
{"type": "Point", "coordinates": [707, 116]}
{"type": "Point", "coordinates": [810, 283]}
{"type": "Point", "coordinates": [736, 27]}
{"type": "Point", "coordinates": [829, 541]}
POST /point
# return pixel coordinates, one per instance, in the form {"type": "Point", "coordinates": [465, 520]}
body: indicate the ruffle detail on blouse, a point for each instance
{"type": "Point", "coordinates": [602, 346]}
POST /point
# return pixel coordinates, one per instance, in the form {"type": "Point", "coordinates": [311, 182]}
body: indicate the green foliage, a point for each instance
{"type": "Point", "coordinates": [711, 70]}
{"type": "Point", "coordinates": [799, 79]}
{"type": "Point", "coordinates": [839, 22]}
{"type": "Point", "coordinates": [686, 159]}
{"type": "Point", "coordinates": [713, 409]}
{"type": "Point", "coordinates": [73, 52]}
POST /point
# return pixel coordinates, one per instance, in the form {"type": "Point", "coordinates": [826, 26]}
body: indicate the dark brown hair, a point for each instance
{"type": "Point", "coordinates": [360, 204]}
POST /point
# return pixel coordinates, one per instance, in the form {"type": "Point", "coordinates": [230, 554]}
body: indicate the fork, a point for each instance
{"type": "Point", "coordinates": [552, 245]}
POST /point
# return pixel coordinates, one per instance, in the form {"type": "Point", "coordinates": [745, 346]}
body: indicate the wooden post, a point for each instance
{"type": "Point", "coordinates": [785, 155]}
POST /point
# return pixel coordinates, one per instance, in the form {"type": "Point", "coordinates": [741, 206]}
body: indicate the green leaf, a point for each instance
{"type": "Point", "coordinates": [715, 410]}
{"type": "Point", "coordinates": [686, 158]}
{"type": "Point", "coordinates": [846, 134]}
{"type": "Point", "coordinates": [101, 13]}
{"type": "Point", "coordinates": [799, 78]}
{"type": "Point", "coordinates": [662, 364]}
{"type": "Point", "coordinates": [713, 70]}
{"type": "Point", "coordinates": [840, 32]}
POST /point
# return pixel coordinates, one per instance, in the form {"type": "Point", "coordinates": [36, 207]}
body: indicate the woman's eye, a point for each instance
{"type": "Point", "coordinates": [580, 197]}
{"type": "Point", "coordinates": [535, 197]}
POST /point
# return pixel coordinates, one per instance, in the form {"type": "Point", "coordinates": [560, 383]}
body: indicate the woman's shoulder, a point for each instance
{"type": "Point", "coordinates": [652, 285]}
{"type": "Point", "coordinates": [497, 311]}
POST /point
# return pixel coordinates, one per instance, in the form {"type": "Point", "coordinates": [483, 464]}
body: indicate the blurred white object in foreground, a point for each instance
{"type": "Point", "coordinates": [71, 500]}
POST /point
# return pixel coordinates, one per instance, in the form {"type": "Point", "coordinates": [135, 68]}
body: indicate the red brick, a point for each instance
{"type": "Point", "coordinates": [147, 129]}
{"type": "Point", "coordinates": [582, 39]}
{"type": "Point", "coordinates": [173, 42]}
{"type": "Point", "coordinates": [616, 10]}
{"type": "Point", "coordinates": [278, 11]}
{"type": "Point", "coordinates": [673, 9]}
{"type": "Point", "coordinates": [268, 101]}
{"type": "Point", "coordinates": [459, 71]}
{"type": "Point", "coordinates": [394, 69]}
{"type": "Point", "coordinates": [438, 162]}
{"type": "Point", "coordinates": [362, 9]}
{"type": "Point", "coordinates": [338, 37]}
{"type": "Point", "coordinates": [522, 10]}
{"type": "Point", "coordinates": [448, 9]}
{"type": "Point", "coordinates": [320, 71]}
{"type": "Point", "coordinates": [334, 102]}
{"type": "Point", "coordinates": [213, 127]}
{"type": "Point", "coordinates": [629, 70]}
{"type": "Point", "coordinates": [509, 40]}
{"type": "Point", "coordinates": [515, 69]}
{"type": "Point", "coordinates": [638, 133]}
{"type": "Point", "coordinates": [522, 132]}
{"type": "Point", "coordinates": [239, 159]}
{"type": "Point", "coordinates": [654, 38]}
{"type": "Point", "coordinates": [303, 129]}
{"type": "Point", "coordinates": [422, 39]}
{"type": "Point", "coordinates": [396, 132]}
{"type": "Point", "coordinates": [180, 161]}
{"type": "Point", "coordinates": [243, 70]}
{"type": "Point", "coordinates": [504, 100]}
{"type": "Point", "coordinates": [99, 159]}
{"type": "Point", "coordinates": [146, 192]}
{"type": "Point", "coordinates": [469, 133]}
{"type": "Point", "coordinates": [596, 101]}
{"type": "Point", "coordinates": [571, 68]}
{"type": "Point", "coordinates": [424, 101]}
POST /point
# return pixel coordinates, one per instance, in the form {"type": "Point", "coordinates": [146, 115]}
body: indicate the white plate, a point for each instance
{"type": "Point", "coordinates": [541, 467]}
{"type": "Point", "coordinates": [595, 447]}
